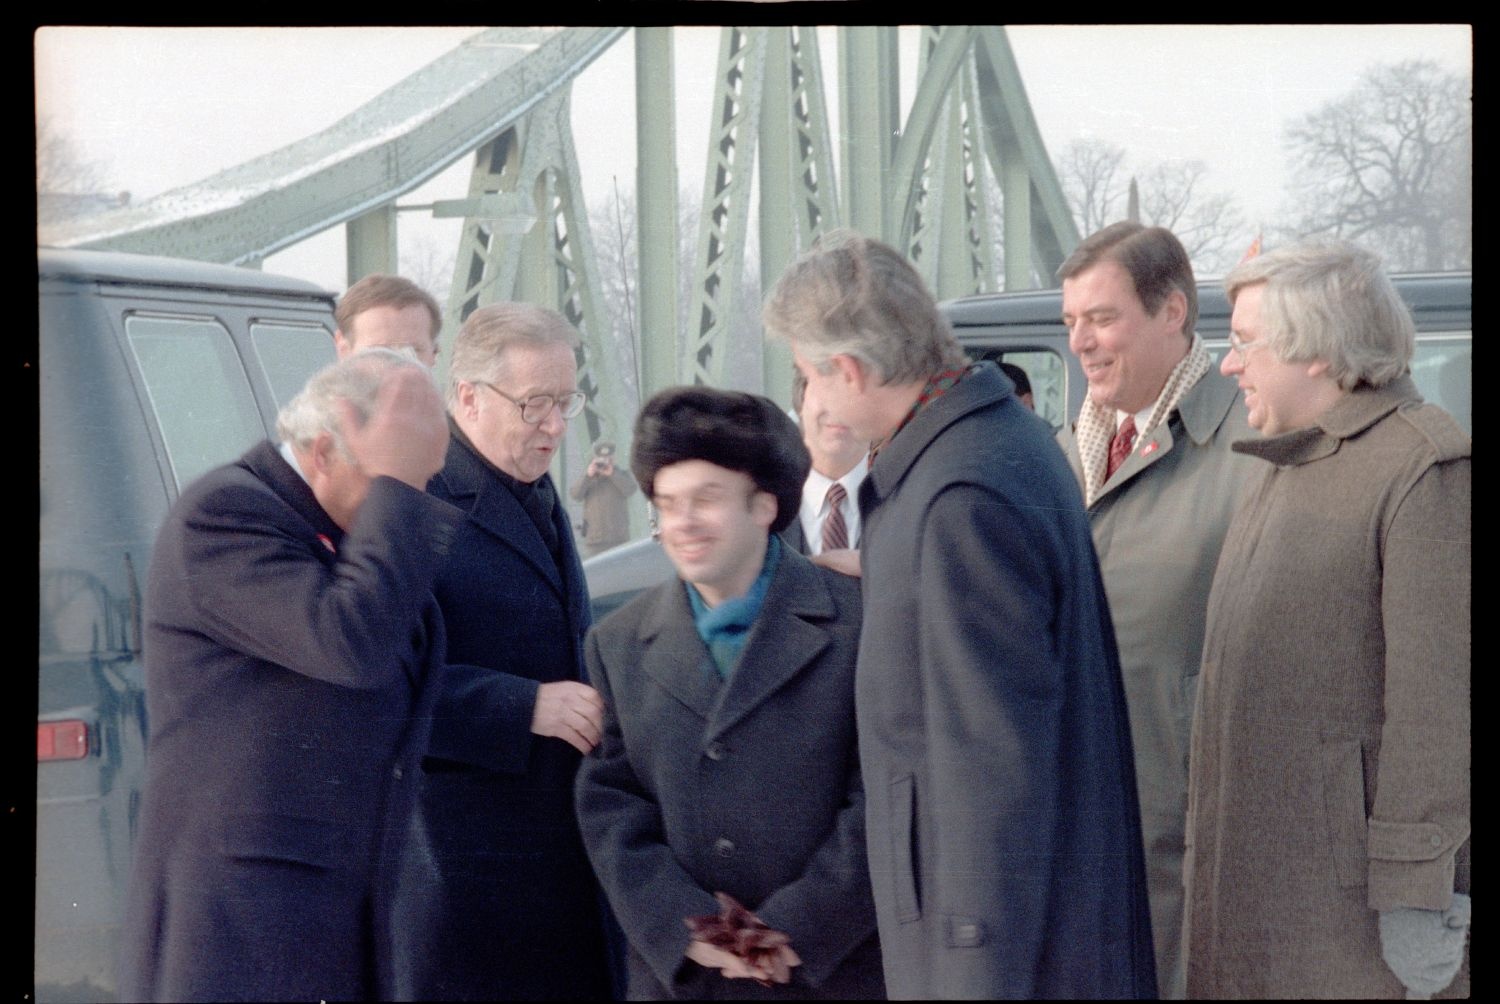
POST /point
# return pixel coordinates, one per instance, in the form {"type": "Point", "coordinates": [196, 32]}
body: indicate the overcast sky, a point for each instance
{"type": "Point", "coordinates": [162, 107]}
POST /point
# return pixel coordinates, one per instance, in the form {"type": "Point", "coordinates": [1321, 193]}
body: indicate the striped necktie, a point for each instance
{"type": "Point", "coordinates": [835, 532]}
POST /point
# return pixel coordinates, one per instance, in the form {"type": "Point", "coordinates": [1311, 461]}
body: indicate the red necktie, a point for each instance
{"type": "Point", "coordinates": [835, 532]}
{"type": "Point", "coordinates": [1119, 447]}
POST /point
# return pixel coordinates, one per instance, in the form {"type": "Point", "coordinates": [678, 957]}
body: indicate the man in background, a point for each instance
{"type": "Point", "coordinates": [602, 489]}
{"type": "Point", "coordinates": [1151, 450]}
{"type": "Point", "coordinates": [1022, 381]}
{"type": "Point", "coordinates": [387, 311]}
{"type": "Point", "coordinates": [828, 519]}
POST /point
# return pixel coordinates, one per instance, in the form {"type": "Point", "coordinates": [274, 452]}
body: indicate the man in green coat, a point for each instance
{"type": "Point", "coordinates": [1151, 450]}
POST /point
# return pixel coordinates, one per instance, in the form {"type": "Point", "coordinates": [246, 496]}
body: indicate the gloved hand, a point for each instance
{"type": "Point", "coordinates": [1424, 948]}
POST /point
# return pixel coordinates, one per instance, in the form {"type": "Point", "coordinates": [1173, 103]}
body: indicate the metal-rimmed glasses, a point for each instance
{"type": "Point", "coordinates": [538, 406]}
{"type": "Point", "coordinates": [1242, 347]}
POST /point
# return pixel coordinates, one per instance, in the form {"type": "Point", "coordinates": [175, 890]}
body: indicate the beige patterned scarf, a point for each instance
{"type": "Point", "coordinates": [1096, 424]}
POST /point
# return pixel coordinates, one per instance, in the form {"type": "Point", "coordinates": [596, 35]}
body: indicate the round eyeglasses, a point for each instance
{"type": "Point", "coordinates": [1243, 347]}
{"type": "Point", "coordinates": [538, 406]}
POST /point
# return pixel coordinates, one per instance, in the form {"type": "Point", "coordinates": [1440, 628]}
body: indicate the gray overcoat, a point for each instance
{"type": "Point", "coordinates": [1330, 751]}
{"type": "Point", "coordinates": [1004, 836]}
{"type": "Point", "coordinates": [1158, 525]}
{"type": "Point", "coordinates": [749, 785]}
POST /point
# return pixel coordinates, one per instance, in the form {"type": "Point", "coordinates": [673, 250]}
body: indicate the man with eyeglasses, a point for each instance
{"type": "Point", "coordinates": [1151, 450]}
{"type": "Point", "coordinates": [513, 912]}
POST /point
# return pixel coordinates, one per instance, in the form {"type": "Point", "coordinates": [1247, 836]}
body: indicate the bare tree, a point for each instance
{"type": "Point", "coordinates": [1209, 224]}
{"type": "Point", "coordinates": [60, 167]}
{"type": "Point", "coordinates": [1390, 164]}
{"type": "Point", "coordinates": [612, 225]}
{"type": "Point", "coordinates": [1095, 178]}
{"type": "Point", "coordinates": [1089, 170]}
{"type": "Point", "coordinates": [428, 261]}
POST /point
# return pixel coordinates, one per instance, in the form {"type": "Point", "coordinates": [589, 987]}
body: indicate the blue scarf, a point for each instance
{"type": "Point", "coordinates": [725, 627]}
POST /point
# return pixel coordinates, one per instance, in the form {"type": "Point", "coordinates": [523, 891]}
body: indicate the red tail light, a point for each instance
{"type": "Point", "coordinates": [67, 740]}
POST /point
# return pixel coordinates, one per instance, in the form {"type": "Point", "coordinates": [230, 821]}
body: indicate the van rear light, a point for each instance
{"type": "Point", "coordinates": [67, 740]}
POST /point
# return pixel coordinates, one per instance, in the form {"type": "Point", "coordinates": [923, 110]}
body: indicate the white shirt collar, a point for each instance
{"type": "Point", "coordinates": [815, 504]}
{"type": "Point", "coordinates": [290, 456]}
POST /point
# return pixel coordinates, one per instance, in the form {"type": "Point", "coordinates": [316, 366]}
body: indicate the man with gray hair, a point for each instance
{"type": "Point", "coordinates": [1151, 451]}
{"type": "Point", "coordinates": [293, 649]}
{"type": "Point", "coordinates": [1003, 835]}
{"type": "Point", "coordinates": [1328, 799]}
{"type": "Point", "coordinates": [514, 913]}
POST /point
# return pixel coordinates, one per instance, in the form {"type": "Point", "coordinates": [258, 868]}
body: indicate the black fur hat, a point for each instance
{"type": "Point", "coordinates": [729, 428]}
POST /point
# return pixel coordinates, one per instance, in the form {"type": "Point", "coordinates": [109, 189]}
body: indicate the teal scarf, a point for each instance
{"type": "Point", "coordinates": [725, 627]}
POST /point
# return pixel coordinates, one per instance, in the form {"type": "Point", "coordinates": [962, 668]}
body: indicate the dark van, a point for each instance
{"type": "Point", "coordinates": [1026, 329]}
{"type": "Point", "coordinates": [152, 370]}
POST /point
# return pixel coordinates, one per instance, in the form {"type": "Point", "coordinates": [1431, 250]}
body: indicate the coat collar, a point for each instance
{"type": "Point", "coordinates": [1202, 411]}
{"type": "Point", "coordinates": [265, 461]}
{"type": "Point", "coordinates": [1350, 415]}
{"type": "Point", "coordinates": [785, 639]}
{"type": "Point", "coordinates": [496, 511]}
{"type": "Point", "coordinates": [981, 388]}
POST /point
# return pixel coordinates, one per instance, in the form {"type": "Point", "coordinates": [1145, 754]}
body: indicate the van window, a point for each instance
{"type": "Point", "coordinates": [290, 353]}
{"type": "Point", "coordinates": [198, 391]}
{"type": "Point", "coordinates": [1048, 374]}
{"type": "Point", "coordinates": [1442, 370]}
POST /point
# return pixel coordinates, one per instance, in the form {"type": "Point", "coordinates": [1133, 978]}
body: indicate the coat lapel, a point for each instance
{"type": "Point", "coordinates": [672, 653]}
{"type": "Point", "coordinates": [495, 510]}
{"type": "Point", "coordinates": [1200, 412]}
{"type": "Point", "coordinates": [264, 460]}
{"type": "Point", "coordinates": [783, 642]}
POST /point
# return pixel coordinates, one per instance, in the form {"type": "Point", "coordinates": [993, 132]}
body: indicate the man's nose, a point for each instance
{"type": "Point", "coordinates": [1080, 337]}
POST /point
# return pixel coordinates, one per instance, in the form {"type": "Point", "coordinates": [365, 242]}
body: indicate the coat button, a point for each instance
{"type": "Point", "coordinates": [714, 751]}
{"type": "Point", "coordinates": [397, 773]}
{"type": "Point", "coordinates": [723, 847]}
{"type": "Point", "coordinates": [1437, 841]}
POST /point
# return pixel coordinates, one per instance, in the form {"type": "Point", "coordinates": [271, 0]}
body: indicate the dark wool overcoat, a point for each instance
{"type": "Point", "coordinates": [1004, 834]}
{"type": "Point", "coordinates": [1158, 525]}
{"type": "Point", "coordinates": [749, 786]}
{"type": "Point", "coordinates": [512, 911]}
{"type": "Point", "coordinates": [290, 673]}
{"type": "Point", "coordinates": [1330, 762]}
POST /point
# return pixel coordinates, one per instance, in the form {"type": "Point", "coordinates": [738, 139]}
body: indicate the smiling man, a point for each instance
{"type": "Point", "coordinates": [513, 914]}
{"type": "Point", "coordinates": [387, 311]}
{"type": "Point", "coordinates": [1151, 450]}
{"type": "Point", "coordinates": [1004, 843]}
{"type": "Point", "coordinates": [1331, 753]}
{"type": "Point", "coordinates": [729, 761]}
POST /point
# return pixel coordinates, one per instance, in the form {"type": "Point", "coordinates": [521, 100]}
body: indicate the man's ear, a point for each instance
{"type": "Point", "coordinates": [851, 371]}
{"type": "Point", "coordinates": [1175, 306]}
{"type": "Point", "coordinates": [323, 452]}
{"type": "Point", "coordinates": [763, 509]}
{"type": "Point", "coordinates": [343, 347]}
{"type": "Point", "coordinates": [467, 396]}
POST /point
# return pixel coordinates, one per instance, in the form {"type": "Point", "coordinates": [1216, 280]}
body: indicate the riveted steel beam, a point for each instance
{"type": "Point", "coordinates": [656, 208]}
{"type": "Point", "coordinates": [719, 257]}
{"type": "Point", "coordinates": [386, 147]}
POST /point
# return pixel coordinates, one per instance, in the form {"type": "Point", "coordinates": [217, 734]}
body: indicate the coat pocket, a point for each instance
{"type": "Point", "coordinates": [318, 843]}
{"type": "Point", "coordinates": [904, 848]}
{"type": "Point", "coordinates": [1344, 809]}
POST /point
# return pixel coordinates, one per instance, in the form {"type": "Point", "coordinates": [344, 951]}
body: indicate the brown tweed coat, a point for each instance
{"type": "Point", "coordinates": [1329, 773]}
